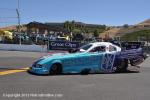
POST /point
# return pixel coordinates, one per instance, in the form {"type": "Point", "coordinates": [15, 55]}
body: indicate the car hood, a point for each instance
{"type": "Point", "coordinates": [63, 55]}
{"type": "Point", "coordinates": [59, 56]}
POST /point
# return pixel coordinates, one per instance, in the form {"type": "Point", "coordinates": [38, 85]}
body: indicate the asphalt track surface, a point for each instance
{"type": "Point", "coordinates": [17, 84]}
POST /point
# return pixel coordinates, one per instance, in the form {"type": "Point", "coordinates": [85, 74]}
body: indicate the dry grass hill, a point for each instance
{"type": "Point", "coordinates": [111, 31]}
{"type": "Point", "coordinates": [146, 22]}
{"type": "Point", "coordinates": [13, 27]}
{"type": "Point", "coordinates": [120, 31]}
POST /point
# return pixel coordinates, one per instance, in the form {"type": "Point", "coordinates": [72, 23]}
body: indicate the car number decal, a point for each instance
{"type": "Point", "coordinates": [107, 62]}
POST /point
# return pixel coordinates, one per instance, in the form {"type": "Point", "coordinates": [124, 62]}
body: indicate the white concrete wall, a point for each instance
{"type": "Point", "coordinates": [17, 47]}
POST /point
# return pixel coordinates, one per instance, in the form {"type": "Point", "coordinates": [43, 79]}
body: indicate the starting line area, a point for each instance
{"type": "Point", "coordinates": [11, 71]}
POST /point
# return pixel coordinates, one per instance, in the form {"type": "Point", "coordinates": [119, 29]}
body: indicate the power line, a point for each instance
{"type": "Point", "coordinates": [7, 9]}
{"type": "Point", "coordinates": [7, 22]}
{"type": "Point", "coordinates": [7, 17]}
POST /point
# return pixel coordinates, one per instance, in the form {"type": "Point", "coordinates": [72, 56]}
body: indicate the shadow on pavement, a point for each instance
{"type": "Point", "coordinates": [127, 72]}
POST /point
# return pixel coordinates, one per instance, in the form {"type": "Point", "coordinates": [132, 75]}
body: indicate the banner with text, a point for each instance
{"type": "Point", "coordinates": [63, 45]}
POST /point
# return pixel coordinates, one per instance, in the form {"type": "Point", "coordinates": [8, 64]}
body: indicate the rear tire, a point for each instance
{"type": "Point", "coordinates": [56, 69]}
{"type": "Point", "coordinates": [135, 62]}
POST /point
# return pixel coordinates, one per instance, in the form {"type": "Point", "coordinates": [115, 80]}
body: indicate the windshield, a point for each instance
{"type": "Point", "coordinates": [86, 47]}
{"type": "Point", "coordinates": [99, 49]}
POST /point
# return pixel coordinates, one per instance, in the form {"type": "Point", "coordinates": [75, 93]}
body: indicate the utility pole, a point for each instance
{"type": "Point", "coordinates": [18, 16]}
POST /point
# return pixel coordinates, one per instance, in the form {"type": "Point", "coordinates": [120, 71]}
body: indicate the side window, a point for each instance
{"type": "Point", "coordinates": [99, 49]}
{"type": "Point", "coordinates": [112, 48]}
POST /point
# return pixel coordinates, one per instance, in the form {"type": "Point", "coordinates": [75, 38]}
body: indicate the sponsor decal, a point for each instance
{"type": "Point", "coordinates": [62, 45]}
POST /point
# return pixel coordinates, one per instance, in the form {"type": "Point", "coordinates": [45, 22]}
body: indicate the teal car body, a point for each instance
{"type": "Point", "coordinates": [75, 63]}
{"type": "Point", "coordinates": [99, 57]}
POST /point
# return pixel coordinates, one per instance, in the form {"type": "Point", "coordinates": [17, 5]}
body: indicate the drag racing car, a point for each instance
{"type": "Point", "coordinates": [98, 57]}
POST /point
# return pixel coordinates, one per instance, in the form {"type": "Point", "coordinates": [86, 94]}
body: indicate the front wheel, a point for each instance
{"type": "Point", "coordinates": [56, 69]}
{"type": "Point", "coordinates": [85, 71]}
{"type": "Point", "coordinates": [122, 66]}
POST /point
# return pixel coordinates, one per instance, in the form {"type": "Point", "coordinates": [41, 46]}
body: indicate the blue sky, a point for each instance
{"type": "Point", "coordinates": [108, 12]}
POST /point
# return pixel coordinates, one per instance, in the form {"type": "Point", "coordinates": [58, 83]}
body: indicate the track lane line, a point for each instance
{"type": "Point", "coordinates": [13, 71]}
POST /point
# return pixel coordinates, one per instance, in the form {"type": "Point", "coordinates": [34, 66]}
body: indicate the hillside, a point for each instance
{"type": "Point", "coordinates": [75, 27]}
{"type": "Point", "coordinates": [146, 22]}
{"type": "Point", "coordinates": [13, 27]}
{"type": "Point", "coordinates": [143, 35]}
{"type": "Point", "coordinates": [110, 33]}
{"type": "Point", "coordinates": [121, 31]}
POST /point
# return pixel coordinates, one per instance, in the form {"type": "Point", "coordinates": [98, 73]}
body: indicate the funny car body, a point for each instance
{"type": "Point", "coordinates": [98, 57]}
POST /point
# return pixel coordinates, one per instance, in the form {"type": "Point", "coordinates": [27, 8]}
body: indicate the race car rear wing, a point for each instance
{"type": "Point", "coordinates": [132, 45]}
{"type": "Point", "coordinates": [129, 45]}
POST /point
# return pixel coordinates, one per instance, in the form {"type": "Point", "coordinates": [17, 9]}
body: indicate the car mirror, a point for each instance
{"type": "Point", "coordinates": [72, 50]}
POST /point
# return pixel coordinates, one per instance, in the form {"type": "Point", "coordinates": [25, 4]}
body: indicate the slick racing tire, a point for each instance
{"type": "Point", "coordinates": [85, 71]}
{"type": "Point", "coordinates": [122, 66]}
{"type": "Point", "coordinates": [135, 62]}
{"type": "Point", "coordinates": [55, 69]}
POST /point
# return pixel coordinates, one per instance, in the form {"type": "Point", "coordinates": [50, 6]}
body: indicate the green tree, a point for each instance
{"type": "Point", "coordinates": [125, 25]}
{"type": "Point", "coordinates": [69, 26]}
{"type": "Point", "coordinates": [72, 25]}
{"type": "Point", "coordinates": [96, 33]}
{"type": "Point", "coordinates": [66, 25]}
